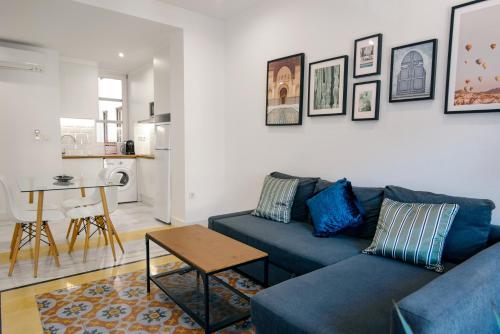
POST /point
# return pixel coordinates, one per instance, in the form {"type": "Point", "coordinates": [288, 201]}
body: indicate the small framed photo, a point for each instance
{"type": "Point", "coordinates": [413, 68]}
{"type": "Point", "coordinates": [367, 56]}
{"type": "Point", "coordinates": [366, 101]}
{"type": "Point", "coordinates": [285, 81]}
{"type": "Point", "coordinates": [328, 87]}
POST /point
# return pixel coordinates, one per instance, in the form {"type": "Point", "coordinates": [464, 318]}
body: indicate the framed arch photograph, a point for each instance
{"type": "Point", "coordinates": [285, 81]}
{"type": "Point", "coordinates": [413, 69]}
{"type": "Point", "coordinates": [328, 87]}
{"type": "Point", "coordinates": [473, 77]}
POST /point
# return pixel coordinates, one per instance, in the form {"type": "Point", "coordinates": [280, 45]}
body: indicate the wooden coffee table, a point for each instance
{"type": "Point", "coordinates": [206, 253]}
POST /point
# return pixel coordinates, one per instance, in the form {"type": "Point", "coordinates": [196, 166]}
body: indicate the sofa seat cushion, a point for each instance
{"type": "Point", "coordinates": [290, 246]}
{"type": "Point", "coordinates": [352, 296]}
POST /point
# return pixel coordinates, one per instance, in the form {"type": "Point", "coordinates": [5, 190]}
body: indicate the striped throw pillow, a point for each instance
{"type": "Point", "coordinates": [276, 199]}
{"type": "Point", "coordinates": [413, 232]}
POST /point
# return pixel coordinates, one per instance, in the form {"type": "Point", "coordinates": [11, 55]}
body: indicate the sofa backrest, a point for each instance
{"type": "Point", "coordinates": [470, 230]}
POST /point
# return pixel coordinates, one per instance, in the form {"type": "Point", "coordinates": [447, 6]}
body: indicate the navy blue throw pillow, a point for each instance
{"type": "Point", "coordinates": [334, 209]}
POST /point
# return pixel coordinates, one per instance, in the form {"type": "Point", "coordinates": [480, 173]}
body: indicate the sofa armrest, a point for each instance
{"type": "Point", "coordinates": [228, 215]}
{"type": "Point", "coordinates": [459, 301]}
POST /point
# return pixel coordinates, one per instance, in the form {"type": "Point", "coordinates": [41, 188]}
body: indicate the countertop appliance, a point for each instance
{"type": "Point", "coordinates": [127, 168]}
{"type": "Point", "coordinates": [162, 170]}
{"type": "Point", "coordinates": [129, 147]}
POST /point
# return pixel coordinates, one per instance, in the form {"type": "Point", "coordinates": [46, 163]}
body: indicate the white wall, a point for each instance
{"type": "Point", "coordinates": [199, 169]}
{"type": "Point", "coordinates": [79, 91]}
{"type": "Point", "coordinates": [413, 144]}
{"type": "Point", "coordinates": [30, 101]}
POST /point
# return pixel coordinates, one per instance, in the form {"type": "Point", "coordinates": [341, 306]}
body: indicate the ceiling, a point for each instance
{"type": "Point", "coordinates": [65, 26]}
{"type": "Point", "coordinates": [222, 9]}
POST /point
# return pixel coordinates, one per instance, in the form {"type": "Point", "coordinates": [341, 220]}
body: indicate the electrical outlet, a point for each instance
{"type": "Point", "coordinates": [191, 195]}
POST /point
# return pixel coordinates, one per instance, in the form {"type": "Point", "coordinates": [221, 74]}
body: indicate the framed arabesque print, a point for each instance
{"type": "Point", "coordinates": [413, 68]}
{"type": "Point", "coordinates": [285, 81]}
{"type": "Point", "coordinates": [328, 87]}
{"type": "Point", "coordinates": [367, 56]}
{"type": "Point", "coordinates": [366, 101]}
{"type": "Point", "coordinates": [473, 77]}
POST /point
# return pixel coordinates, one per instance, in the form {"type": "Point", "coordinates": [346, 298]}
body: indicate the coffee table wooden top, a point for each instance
{"type": "Point", "coordinates": [205, 249]}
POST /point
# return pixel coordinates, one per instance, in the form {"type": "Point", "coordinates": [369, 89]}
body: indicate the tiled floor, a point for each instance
{"type": "Point", "coordinates": [19, 312]}
{"type": "Point", "coordinates": [132, 221]}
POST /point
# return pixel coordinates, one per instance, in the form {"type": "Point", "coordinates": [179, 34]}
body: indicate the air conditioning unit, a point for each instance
{"type": "Point", "coordinates": [23, 60]}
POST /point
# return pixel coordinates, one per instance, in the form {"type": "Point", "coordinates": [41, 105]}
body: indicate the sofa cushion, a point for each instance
{"type": "Point", "coordinates": [370, 200]}
{"type": "Point", "coordinates": [352, 296]}
{"type": "Point", "coordinates": [276, 199]}
{"type": "Point", "coordinates": [334, 209]}
{"type": "Point", "coordinates": [305, 190]}
{"type": "Point", "coordinates": [470, 229]}
{"type": "Point", "coordinates": [413, 232]}
{"type": "Point", "coordinates": [290, 246]}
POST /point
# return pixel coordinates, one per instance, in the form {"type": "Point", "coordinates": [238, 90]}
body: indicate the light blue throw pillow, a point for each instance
{"type": "Point", "coordinates": [276, 199]}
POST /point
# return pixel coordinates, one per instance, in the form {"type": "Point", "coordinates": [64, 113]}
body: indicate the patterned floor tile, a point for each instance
{"type": "Point", "coordinates": [120, 304]}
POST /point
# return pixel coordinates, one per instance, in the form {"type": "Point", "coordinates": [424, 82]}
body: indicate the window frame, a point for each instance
{"type": "Point", "coordinates": [124, 112]}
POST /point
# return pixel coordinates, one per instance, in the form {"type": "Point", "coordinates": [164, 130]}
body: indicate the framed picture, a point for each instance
{"type": "Point", "coordinates": [413, 68]}
{"type": "Point", "coordinates": [367, 56]}
{"type": "Point", "coordinates": [473, 79]}
{"type": "Point", "coordinates": [285, 79]}
{"type": "Point", "coordinates": [366, 101]}
{"type": "Point", "coordinates": [328, 87]}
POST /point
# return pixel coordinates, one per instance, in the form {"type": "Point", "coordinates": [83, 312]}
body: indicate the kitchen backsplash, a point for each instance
{"type": "Point", "coordinates": [78, 137]}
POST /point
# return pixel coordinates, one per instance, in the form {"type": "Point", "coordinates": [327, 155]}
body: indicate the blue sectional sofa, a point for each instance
{"type": "Point", "coordinates": [325, 285]}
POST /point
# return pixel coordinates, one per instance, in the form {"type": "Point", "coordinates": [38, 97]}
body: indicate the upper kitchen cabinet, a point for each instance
{"type": "Point", "coordinates": [78, 88]}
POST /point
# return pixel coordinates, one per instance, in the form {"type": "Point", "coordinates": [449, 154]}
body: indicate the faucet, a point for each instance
{"type": "Point", "coordinates": [69, 136]}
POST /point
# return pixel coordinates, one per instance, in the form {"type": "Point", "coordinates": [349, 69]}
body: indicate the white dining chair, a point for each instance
{"type": "Point", "coordinates": [76, 202]}
{"type": "Point", "coordinates": [94, 215]}
{"type": "Point", "coordinates": [24, 221]}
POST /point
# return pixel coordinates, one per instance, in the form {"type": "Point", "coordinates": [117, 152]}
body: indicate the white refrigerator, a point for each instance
{"type": "Point", "coordinates": [162, 170]}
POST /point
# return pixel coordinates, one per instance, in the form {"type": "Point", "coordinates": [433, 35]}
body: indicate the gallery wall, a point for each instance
{"type": "Point", "coordinates": [414, 144]}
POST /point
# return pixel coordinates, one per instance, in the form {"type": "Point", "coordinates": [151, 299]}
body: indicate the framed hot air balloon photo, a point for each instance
{"type": "Point", "coordinates": [473, 80]}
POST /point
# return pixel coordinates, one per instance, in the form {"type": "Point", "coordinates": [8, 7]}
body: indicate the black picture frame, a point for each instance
{"type": "Point", "coordinates": [432, 90]}
{"type": "Point", "coordinates": [377, 100]}
{"type": "Point", "coordinates": [301, 93]}
{"type": "Point", "coordinates": [379, 56]}
{"type": "Point", "coordinates": [449, 69]}
{"type": "Point", "coordinates": [344, 86]}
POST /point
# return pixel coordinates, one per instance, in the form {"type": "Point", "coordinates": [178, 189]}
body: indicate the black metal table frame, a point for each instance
{"type": "Point", "coordinates": [204, 323]}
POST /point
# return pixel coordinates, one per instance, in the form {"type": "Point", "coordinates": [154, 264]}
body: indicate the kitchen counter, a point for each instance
{"type": "Point", "coordinates": [110, 156]}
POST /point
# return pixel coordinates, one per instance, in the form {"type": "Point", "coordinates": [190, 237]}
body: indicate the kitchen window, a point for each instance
{"type": "Point", "coordinates": [109, 125]}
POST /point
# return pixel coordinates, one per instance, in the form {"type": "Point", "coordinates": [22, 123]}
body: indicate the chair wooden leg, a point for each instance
{"type": "Point", "coordinates": [100, 222]}
{"type": "Point", "coordinates": [17, 243]}
{"type": "Point", "coordinates": [76, 228]}
{"type": "Point", "coordinates": [71, 223]}
{"type": "Point", "coordinates": [14, 239]}
{"type": "Point", "coordinates": [52, 246]}
{"type": "Point", "coordinates": [117, 238]}
{"type": "Point", "coordinates": [87, 236]}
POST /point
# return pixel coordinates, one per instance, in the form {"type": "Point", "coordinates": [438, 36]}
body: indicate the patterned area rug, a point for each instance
{"type": "Point", "coordinates": [120, 304]}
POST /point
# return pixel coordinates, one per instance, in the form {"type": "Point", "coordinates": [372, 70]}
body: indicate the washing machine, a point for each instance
{"type": "Point", "coordinates": [127, 168]}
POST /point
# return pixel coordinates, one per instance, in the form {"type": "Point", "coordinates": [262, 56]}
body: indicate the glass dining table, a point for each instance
{"type": "Point", "coordinates": [40, 185]}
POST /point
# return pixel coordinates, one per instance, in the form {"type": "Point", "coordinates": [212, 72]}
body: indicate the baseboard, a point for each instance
{"type": "Point", "coordinates": [181, 222]}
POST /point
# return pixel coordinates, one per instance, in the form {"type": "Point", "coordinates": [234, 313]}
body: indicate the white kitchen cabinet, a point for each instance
{"type": "Point", "coordinates": [146, 180]}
